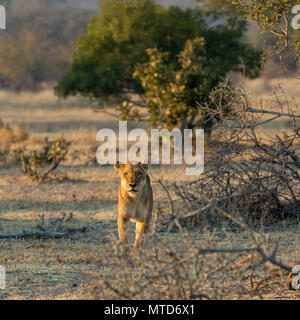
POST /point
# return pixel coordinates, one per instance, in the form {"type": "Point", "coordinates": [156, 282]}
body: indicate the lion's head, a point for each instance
{"type": "Point", "coordinates": [133, 177]}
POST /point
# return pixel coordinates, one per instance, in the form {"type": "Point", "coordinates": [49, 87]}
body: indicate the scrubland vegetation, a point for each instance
{"type": "Point", "coordinates": [230, 233]}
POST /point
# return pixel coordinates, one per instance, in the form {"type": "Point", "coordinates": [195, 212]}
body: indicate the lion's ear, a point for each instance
{"type": "Point", "coordinates": [144, 166]}
{"type": "Point", "coordinates": [118, 166]}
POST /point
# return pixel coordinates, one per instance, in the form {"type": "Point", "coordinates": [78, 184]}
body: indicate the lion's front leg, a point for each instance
{"type": "Point", "coordinates": [139, 231]}
{"type": "Point", "coordinates": [122, 229]}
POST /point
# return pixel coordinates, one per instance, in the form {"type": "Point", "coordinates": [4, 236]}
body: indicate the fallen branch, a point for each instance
{"type": "Point", "coordinates": [34, 233]}
{"type": "Point", "coordinates": [72, 230]}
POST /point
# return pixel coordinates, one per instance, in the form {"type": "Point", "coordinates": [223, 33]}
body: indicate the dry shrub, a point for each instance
{"type": "Point", "coordinates": [11, 134]}
{"type": "Point", "coordinates": [39, 164]}
{"type": "Point", "coordinates": [252, 175]}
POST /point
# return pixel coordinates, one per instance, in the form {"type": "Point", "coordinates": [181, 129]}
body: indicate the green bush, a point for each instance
{"type": "Point", "coordinates": [116, 40]}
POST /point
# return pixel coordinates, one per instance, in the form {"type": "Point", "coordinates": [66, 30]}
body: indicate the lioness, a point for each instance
{"type": "Point", "coordinates": [135, 200]}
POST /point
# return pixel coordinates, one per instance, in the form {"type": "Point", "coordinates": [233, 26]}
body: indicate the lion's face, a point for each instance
{"type": "Point", "coordinates": [133, 177]}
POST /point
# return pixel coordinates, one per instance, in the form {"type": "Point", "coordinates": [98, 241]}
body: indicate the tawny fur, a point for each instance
{"type": "Point", "coordinates": [135, 201]}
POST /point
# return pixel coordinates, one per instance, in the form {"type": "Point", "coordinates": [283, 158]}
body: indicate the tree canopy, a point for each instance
{"type": "Point", "coordinates": [273, 17]}
{"type": "Point", "coordinates": [117, 39]}
{"type": "Point", "coordinates": [172, 56]}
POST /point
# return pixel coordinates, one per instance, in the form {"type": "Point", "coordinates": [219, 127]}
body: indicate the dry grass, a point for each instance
{"type": "Point", "coordinates": [263, 89]}
{"type": "Point", "coordinates": [68, 268]}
